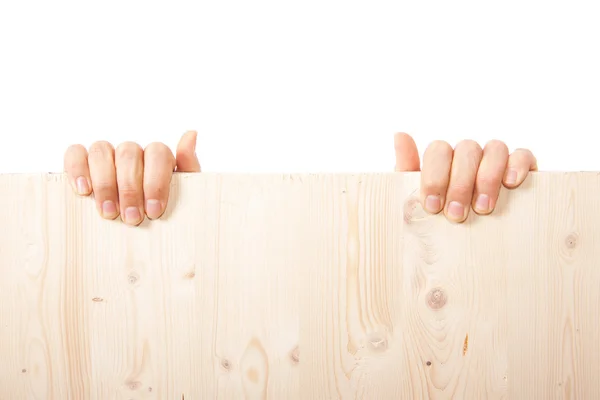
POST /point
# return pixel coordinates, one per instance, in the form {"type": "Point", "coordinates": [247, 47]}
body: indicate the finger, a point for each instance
{"type": "Point", "coordinates": [520, 163]}
{"type": "Point", "coordinates": [77, 169]}
{"type": "Point", "coordinates": [489, 177]}
{"type": "Point", "coordinates": [129, 162]}
{"type": "Point", "coordinates": [437, 161]}
{"type": "Point", "coordinates": [407, 155]}
{"type": "Point", "coordinates": [101, 161]}
{"type": "Point", "coordinates": [159, 164]}
{"type": "Point", "coordinates": [187, 161]}
{"type": "Point", "coordinates": [467, 156]}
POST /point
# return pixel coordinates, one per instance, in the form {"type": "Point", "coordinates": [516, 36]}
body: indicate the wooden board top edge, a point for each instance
{"type": "Point", "coordinates": [250, 175]}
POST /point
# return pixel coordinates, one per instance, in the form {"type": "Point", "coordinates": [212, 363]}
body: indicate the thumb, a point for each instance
{"type": "Point", "coordinates": [407, 155]}
{"type": "Point", "coordinates": [187, 161]}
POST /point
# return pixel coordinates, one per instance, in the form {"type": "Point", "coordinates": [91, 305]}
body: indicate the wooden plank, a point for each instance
{"type": "Point", "coordinates": [300, 287]}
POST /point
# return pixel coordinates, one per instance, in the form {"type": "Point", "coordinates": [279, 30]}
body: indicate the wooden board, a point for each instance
{"type": "Point", "coordinates": [300, 287]}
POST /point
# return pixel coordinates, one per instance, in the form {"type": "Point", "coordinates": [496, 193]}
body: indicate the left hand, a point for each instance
{"type": "Point", "coordinates": [456, 180]}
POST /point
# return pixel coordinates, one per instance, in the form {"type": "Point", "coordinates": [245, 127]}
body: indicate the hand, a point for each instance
{"type": "Point", "coordinates": [129, 181]}
{"type": "Point", "coordinates": [455, 180]}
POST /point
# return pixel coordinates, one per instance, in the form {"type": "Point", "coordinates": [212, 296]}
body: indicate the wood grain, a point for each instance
{"type": "Point", "coordinates": [333, 286]}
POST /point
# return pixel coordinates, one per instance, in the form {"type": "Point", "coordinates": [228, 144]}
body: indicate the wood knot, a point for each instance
{"type": "Point", "coordinates": [98, 299]}
{"type": "Point", "coordinates": [295, 355]}
{"type": "Point", "coordinates": [377, 342]}
{"type": "Point", "coordinates": [413, 210]}
{"type": "Point", "coordinates": [436, 298]}
{"type": "Point", "coordinates": [190, 275]}
{"type": "Point", "coordinates": [132, 278]}
{"type": "Point", "coordinates": [571, 240]}
{"type": "Point", "coordinates": [24, 370]}
{"type": "Point", "coordinates": [133, 385]}
{"type": "Point", "coordinates": [225, 364]}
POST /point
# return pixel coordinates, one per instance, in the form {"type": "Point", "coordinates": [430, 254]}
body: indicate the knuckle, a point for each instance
{"type": "Point", "coordinates": [74, 166]}
{"type": "Point", "coordinates": [128, 150]}
{"type": "Point", "coordinates": [75, 158]}
{"type": "Point", "coordinates": [521, 158]}
{"type": "Point", "coordinates": [104, 183]}
{"type": "Point", "coordinates": [460, 190]}
{"type": "Point", "coordinates": [471, 152]}
{"type": "Point", "coordinates": [439, 146]}
{"type": "Point", "coordinates": [496, 146]}
{"type": "Point", "coordinates": [155, 191]}
{"type": "Point", "coordinates": [75, 149]}
{"type": "Point", "coordinates": [104, 190]}
{"type": "Point", "coordinates": [129, 194]}
{"type": "Point", "coordinates": [489, 181]}
{"type": "Point", "coordinates": [521, 149]}
{"type": "Point", "coordinates": [432, 185]}
{"type": "Point", "coordinates": [158, 151]}
{"type": "Point", "coordinates": [523, 153]}
{"type": "Point", "coordinates": [100, 148]}
{"type": "Point", "coordinates": [158, 147]}
{"type": "Point", "coordinates": [469, 146]}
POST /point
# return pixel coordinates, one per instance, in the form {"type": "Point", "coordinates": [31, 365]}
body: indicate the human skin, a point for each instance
{"type": "Point", "coordinates": [133, 182]}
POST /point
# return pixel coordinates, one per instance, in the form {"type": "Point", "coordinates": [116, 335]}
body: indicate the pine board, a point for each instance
{"type": "Point", "coordinates": [332, 286]}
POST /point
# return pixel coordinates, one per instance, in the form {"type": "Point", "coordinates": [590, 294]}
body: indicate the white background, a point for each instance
{"type": "Point", "coordinates": [299, 86]}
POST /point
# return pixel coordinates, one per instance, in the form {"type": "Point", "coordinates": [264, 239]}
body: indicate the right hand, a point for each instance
{"type": "Point", "coordinates": [129, 181]}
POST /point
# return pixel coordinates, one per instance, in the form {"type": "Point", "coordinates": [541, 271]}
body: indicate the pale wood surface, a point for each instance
{"type": "Point", "coordinates": [300, 287]}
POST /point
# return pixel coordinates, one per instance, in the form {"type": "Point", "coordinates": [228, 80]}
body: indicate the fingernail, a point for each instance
{"type": "Point", "coordinates": [132, 215]}
{"type": "Point", "coordinates": [109, 209]}
{"type": "Point", "coordinates": [432, 203]}
{"type": "Point", "coordinates": [511, 177]}
{"type": "Point", "coordinates": [82, 185]}
{"type": "Point", "coordinates": [483, 203]}
{"type": "Point", "coordinates": [153, 208]}
{"type": "Point", "coordinates": [456, 210]}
